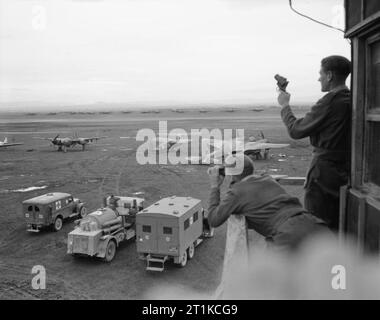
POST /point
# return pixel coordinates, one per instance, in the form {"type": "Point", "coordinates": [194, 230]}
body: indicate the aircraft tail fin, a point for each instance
{"type": "Point", "coordinates": [5, 140]}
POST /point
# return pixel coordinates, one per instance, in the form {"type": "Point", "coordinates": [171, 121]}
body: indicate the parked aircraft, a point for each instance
{"type": "Point", "coordinates": [5, 143]}
{"type": "Point", "coordinates": [217, 149]}
{"type": "Point", "coordinates": [64, 143]}
{"type": "Point", "coordinates": [258, 149]}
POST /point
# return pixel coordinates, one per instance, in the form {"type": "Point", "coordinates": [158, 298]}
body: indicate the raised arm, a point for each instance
{"type": "Point", "coordinates": [310, 124]}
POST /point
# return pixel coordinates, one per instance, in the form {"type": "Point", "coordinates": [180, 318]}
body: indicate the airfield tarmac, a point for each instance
{"type": "Point", "coordinates": [110, 166]}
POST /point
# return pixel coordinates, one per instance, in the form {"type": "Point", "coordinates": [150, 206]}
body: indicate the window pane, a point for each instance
{"type": "Point", "coordinates": [195, 217]}
{"type": "Point", "coordinates": [167, 230]}
{"type": "Point", "coordinates": [353, 14]}
{"type": "Point", "coordinates": [147, 229]}
{"type": "Point", "coordinates": [187, 224]}
{"type": "Point", "coordinates": [370, 7]}
{"type": "Point", "coordinates": [375, 76]}
{"type": "Point", "coordinates": [373, 156]}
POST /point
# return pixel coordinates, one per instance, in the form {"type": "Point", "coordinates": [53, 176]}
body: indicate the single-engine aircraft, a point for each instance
{"type": "Point", "coordinates": [64, 143]}
{"type": "Point", "coordinates": [5, 143]}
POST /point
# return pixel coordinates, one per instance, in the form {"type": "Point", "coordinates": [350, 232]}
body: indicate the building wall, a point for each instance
{"type": "Point", "coordinates": [360, 201]}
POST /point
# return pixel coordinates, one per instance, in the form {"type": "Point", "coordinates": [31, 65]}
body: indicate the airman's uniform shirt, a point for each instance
{"type": "Point", "coordinates": [263, 201]}
{"type": "Point", "coordinates": [328, 126]}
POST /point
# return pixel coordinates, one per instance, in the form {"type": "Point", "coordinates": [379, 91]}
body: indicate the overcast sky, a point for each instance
{"type": "Point", "coordinates": [69, 52]}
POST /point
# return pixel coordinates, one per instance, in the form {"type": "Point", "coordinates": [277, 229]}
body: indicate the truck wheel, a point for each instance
{"type": "Point", "coordinates": [82, 212]}
{"type": "Point", "coordinates": [110, 251]}
{"type": "Point", "coordinates": [183, 259]}
{"type": "Point", "coordinates": [191, 250]}
{"type": "Point", "coordinates": [58, 224]}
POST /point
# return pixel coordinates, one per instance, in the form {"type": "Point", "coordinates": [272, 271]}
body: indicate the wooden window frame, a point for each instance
{"type": "Point", "coordinates": [370, 115]}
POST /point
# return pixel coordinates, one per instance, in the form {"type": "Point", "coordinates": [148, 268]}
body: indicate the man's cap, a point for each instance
{"type": "Point", "coordinates": [238, 163]}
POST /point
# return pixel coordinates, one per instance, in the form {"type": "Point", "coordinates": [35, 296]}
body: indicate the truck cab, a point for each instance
{"type": "Point", "coordinates": [50, 210]}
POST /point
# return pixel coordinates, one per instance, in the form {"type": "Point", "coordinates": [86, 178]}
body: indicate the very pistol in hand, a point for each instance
{"type": "Point", "coordinates": [282, 82]}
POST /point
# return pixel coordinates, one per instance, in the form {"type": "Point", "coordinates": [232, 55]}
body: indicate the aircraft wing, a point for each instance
{"type": "Point", "coordinates": [88, 140]}
{"type": "Point", "coordinates": [263, 145]}
{"type": "Point", "coordinates": [40, 138]}
{"type": "Point", "coordinates": [11, 144]}
{"type": "Point", "coordinates": [261, 141]}
{"type": "Point", "coordinates": [98, 138]}
{"type": "Point", "coordinates": [91, 139]}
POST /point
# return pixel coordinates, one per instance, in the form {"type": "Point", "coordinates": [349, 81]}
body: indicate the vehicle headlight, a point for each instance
{"type": "Point", "coordinates": [26, 215]}
{"type": "Point", "coordinates": [40, 216]}
{"type": "Point", "coordinates": [173, 249]}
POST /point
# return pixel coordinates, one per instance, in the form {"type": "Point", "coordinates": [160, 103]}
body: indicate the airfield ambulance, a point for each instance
{"type": "Point", "coordinates": [170, 229]}
{"type": "Point", "coordinates": [100, 232]}
{"type": "Point", "coordinates": [50, 210]}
